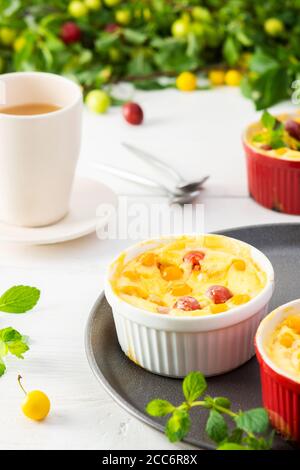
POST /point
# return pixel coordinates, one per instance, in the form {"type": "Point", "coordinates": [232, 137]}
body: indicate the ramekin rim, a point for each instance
{"type": "Point", "coordinates": [201, 318]}
{"type": "Point", "coordinates": [259, 343]}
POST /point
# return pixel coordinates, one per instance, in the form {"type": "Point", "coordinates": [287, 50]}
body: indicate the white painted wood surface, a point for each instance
{"type": "Point", "coordinates": [198, 133]}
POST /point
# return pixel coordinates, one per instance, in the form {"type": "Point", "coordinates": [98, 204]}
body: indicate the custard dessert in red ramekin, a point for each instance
{"type": "Point", "coordinates": [272, 149]}
{"type": "Point", "coordinates": [277, 345]}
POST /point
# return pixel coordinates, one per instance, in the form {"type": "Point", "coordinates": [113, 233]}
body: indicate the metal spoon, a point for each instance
{"type": "Point", "coordinates": [181, 184]}
{"type": "Point", "coordinates": [185, 198]}
{"type": "Point", "coordinates": [134, 177]}
{"type": "Point", "coordinates": [175, 197]}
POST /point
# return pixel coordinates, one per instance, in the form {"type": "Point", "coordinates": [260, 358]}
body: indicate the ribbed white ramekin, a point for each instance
{"type": "Point", "coordinates": [174, 346]}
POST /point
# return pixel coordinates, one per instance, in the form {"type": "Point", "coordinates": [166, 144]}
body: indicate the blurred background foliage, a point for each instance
{"type": "Point", "coordinates": [100, 41]}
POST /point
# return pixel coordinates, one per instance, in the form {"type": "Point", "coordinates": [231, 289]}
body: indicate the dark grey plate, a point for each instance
{"type": "Point", "coordinates": [133, 387]}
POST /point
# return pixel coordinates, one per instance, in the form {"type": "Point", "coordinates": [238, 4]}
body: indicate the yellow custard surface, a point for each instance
{"type": "Point", "coordinates": [290, 151]}
{"type": "Point", "coordinates": [156, 278]}
{"type": "Point", "coordinates": [283, 345]}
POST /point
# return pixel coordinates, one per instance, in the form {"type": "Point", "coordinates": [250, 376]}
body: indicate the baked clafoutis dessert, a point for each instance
{"type": "Point", "coordinates": [189, 275]}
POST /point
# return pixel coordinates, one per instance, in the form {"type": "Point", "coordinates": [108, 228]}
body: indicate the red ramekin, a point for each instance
{"type": "Point", "coordinates": [280, 392]}
{"type": "Point", "coordinates": [273, 182]}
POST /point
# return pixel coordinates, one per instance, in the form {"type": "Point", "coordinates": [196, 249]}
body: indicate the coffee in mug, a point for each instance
{"type": "Point", "coordinates": [29, 109]}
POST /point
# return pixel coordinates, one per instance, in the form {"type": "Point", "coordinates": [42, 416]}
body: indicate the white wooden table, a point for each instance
{"type": "Point", "coordinates": [198, 133]}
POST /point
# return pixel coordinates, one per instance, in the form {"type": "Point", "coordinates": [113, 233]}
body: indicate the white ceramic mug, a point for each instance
{"type": "Point", "coordinates": [38, 153]}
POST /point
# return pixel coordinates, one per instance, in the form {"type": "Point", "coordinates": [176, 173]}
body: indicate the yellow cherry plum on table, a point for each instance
{"type": "Point", "coordinates": [233, 78]}
{"type": "Point", "coordinates": [97, 101]}
{"type": "Point", "coordinates": [186, 81]}
{"type": "Point", "coordinates": [36, 405]}
{"type": "Point", "coordinates": [216, 77]}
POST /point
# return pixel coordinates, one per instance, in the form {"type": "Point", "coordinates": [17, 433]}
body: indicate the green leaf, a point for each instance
{"type": "Point", "coordinates": [192, 45]}
{"type": "Point", "coordinates": [105, 41]}
{"type": "Point", "coordinates": [231, 446]}
{"type": "Point", "coordinates": [2, 368]}
{"type": "Point", "coordinates": [139, 64]}
{"type": "Point", "coordinates": [152, 84]}
{"type": "Point", "coordinates": [159, 408]}
{"type": "Point", "coordinates": [257, 443]}
{"type": "Point", "coordinates": [135, 37]}
{"type": "Point", "coordinates": [193, 386]}
{"type": "Point", "coordinates": [11, 341]}
{"type": "Point", "coordinates": [246, 87]}
{"type": "Point", "coordinates": [268, 120]}
{"type": "Point", "coordinates": [253, 421]}
{"type": "Point", "coordinates": [231, 51]}
{"type": "Point", "coordinates": [178, 426]}
{"type": "Point", "coordinates": [261, 62]}
{"type": "Point", "coordinates": [236, 436]}
{"type": "Point", "coordinates": [19, 299]}
{"type": "Point", "coordinates": [243, 38]}
{"type": "Point", "coordinates": [9, 334]}
{"type": "Point", "coordinates": [259, 138]}
{"type": "Point", "coordinates": [270, 88]}
{"type": "Point", "coordinates": [216, 427]}
{"type": "Point", "coordinates": [172, 57]}
{"type": "Point", "coordinates": [18, 348]}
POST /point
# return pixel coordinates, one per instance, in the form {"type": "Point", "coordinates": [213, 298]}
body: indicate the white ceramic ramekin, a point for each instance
{"type": "Point", "coordinates": [174, 346]}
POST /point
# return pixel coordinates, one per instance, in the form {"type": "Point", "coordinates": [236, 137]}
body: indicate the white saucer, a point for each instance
{"type": "Point", "coordinates": [81, 219]}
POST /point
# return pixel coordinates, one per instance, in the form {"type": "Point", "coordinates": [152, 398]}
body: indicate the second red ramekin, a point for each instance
{"type": "Point", "coordinates": [273, 182]}
{"type": "Point", "coordinates": [280, 391]}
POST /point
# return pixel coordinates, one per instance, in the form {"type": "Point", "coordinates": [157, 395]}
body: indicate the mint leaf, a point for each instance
{"type": "Point", "coordinates": [2, 368]}
{"type": "Point", "coordinates": [11, 341]}
{"type": "Point", "coordinates": [253, 421]}
{"type": "Point", "coordinates": [259, 138]}
{"type": "Point", "coordinates": [18, 348]}
{"type": "Point", "coordinates": [276, 140]}
{"type": "Point", "coordinates": [257, 443]}
{"type": "Point", "coordinates": [19, 299]}
{"type": "Point", "coordinates": [159, 408]}
{"type": "Point", "coordinates": [216, 426]}
{"type": "Point", "coordinates": [9, 334]}
{"type": "Point", "coordinates": [178, 425]}
{"type": "Point", "coordinates": [193, 386]}
{"type": "Point", "coordinates": [268, 120]}
{"type": "Point", "coordinates": [236, 436]}
{"type": "Point", "coordinates": [231, 446]}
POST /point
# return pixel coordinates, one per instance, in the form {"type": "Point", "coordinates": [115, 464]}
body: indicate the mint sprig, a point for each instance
{"type": "Point", "coordinates": [249, 431]}
{"type": "Point", "coordinates": [275, 130]}
{"type": "Point", "coordinates": [11, 342]}
{"type": "Point", "coordinates": [17, 299]}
